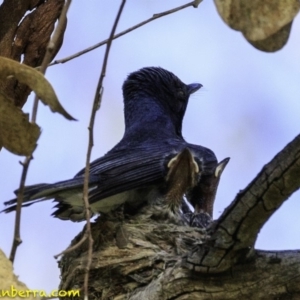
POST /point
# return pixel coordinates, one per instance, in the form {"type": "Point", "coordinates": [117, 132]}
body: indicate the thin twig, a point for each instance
{"type": "Point", "coordinates": [51, 48]}
{"type": "Point", "coordinates": [96, 106]}
{"type": "Point", "coordinates": [74, 247]}
{"type": "Point", "coordinates": [46, 60]}
{"type": "Point", "coordinates": [154, 17]}
{"type": "Point", "coordinates": [17, 236]}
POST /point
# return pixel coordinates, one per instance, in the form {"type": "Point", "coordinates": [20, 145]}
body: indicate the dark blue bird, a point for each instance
{"type": "Point", "coordinates": [151, 164]}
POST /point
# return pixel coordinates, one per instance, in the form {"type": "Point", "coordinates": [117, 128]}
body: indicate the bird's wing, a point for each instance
{"type": "Point", "coordinates": [115, 172]}
{"type": "Point", "coordinates": [123, 170]}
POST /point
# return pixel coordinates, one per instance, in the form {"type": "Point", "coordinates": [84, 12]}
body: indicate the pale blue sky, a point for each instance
{"type": "Point", "coordinates": [248, 110]}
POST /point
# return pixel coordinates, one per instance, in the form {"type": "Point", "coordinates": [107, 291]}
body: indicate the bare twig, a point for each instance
{"type": "Point", "coordinates": [154, 17]}
{"type": "Point", "coordinates": [17, 237]}
{"type": "Point", "coordinates": [96, 106]}
{"type": "Point", "coordinates": [74, 247]}
{"type": "Point", "coordinates": [47, 58]}
{"type": "Point", "coordinates": [51, 48]}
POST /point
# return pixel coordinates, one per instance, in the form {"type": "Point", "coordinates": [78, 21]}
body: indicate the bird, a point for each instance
{"type": "Point", "coordinates": [152, 164]}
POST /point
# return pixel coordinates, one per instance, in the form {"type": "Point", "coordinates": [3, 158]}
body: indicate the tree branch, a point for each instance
{"type": "Point", "coordinates": [235, 232]}
{"type": "Point", "coordinates": [154, 17]}
{"type": "Point", "coordinates": [245, 281]}
{"type": "Point", "coordinates": [52, 48]}
{"type": "Point", "coordinates": [139, 258]}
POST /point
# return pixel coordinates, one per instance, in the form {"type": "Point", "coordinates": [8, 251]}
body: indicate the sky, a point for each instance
{"type": "Point", "coordinates": [248, 110]}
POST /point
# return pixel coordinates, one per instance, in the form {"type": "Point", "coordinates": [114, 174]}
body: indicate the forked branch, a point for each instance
{"type": "Point", "coordinates": [235, 232]}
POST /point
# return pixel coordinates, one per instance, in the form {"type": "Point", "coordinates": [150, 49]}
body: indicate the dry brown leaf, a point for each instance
{"type": "Point", "coordinates": [274, 42]}
{"type": "Point", "coordinates": [10, 284]}
{"type": "Point", "coordinates": [35, 80]}
{"type": "Point", "coordinates": [265, 24]}
{"type": "Point", "coordinates": [25, 31]}
{"type": "Point", "coordinates": [17, 134]}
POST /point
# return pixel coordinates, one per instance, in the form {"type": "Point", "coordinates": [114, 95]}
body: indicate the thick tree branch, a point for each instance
{"type": "Point", "coordinates": [139, 258]}
{"type": "Point", "coordinates": [250, 280]}
{"type": "Point", "coordinates": [235, 232]}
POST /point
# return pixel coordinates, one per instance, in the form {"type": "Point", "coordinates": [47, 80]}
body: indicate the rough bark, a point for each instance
{"type": "Point", "coordinates": [142, 259]}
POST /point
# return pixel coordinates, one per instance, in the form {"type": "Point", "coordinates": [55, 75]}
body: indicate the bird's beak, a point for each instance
{"type": "Point", "coordinates": [194, 87]}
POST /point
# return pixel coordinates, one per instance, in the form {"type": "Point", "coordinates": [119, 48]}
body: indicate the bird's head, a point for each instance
{"type": "Point", "coordinates": [159, 88]}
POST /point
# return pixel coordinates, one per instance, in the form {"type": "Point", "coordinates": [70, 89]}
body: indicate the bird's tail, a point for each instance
{"type": "Point", "coordinates": [62, 191]}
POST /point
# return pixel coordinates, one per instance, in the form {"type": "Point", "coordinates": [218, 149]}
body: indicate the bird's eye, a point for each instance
{"type": "Point", "coordinates": [181, 100]}
{"type": "Point", "coordinates": [180, 94]}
